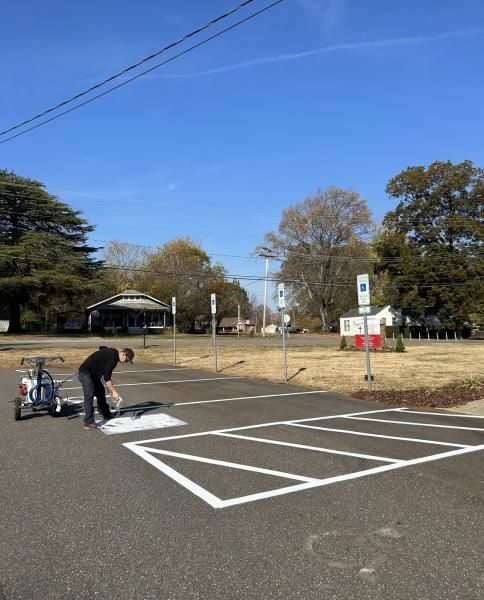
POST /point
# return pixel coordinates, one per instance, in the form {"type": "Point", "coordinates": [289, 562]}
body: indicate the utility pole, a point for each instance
{"type": "Point", "coordinates": [267, 254]}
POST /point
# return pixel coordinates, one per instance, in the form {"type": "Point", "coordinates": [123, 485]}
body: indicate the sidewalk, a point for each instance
{"type": "Point", "coordinates": [476, 407]}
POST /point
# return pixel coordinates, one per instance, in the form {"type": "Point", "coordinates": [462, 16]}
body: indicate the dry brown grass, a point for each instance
{"type": "Point", "coordinates": [428, 366]}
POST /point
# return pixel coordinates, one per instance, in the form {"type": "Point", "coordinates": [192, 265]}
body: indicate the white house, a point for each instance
{"type": "Point", "coordinates": [349, 323]}
{"type": "Point", "coordinates": [270, 329]}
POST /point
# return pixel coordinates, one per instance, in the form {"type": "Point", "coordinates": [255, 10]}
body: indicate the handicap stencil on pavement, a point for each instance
{"type": "Point", "coordinates": [138, 423]}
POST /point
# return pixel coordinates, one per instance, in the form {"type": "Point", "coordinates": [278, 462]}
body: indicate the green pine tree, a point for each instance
{"type": "Point", "coordinates": [43, 249]}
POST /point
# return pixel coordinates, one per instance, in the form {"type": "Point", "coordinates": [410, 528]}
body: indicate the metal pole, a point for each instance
{"type": "Point", "coordinates": [283, 324]}
{"type": "Point", "coordinates": [174, 339]}
{"type": "Point", "coordinates": [238, 321]}
{"type": "Point", "coordinates": [265, 299]}
{"type": "Point", "coordinates": [214, 327]}
{"type": "Point", "coordinates": [367, 351]}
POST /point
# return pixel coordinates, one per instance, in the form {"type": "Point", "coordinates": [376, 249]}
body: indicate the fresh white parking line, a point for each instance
{"type": "Point", "coordinates": [258, 425]}
{"type": "Point", "coordinates": [439, 414]}
{"type": "Point", "coordinates": [223, 463]}
{"type": "Point", "coordinates": [411, 423]}
{"type": "Point", "coordinates": [163, 382]}
{"type": "Point", "coordinates": [251, 397]}
{"type": "Point", "coordinates": [304, 447]}
{"type": "Point", "coordinates": [349, 476]}
{"type": "Point", "coordinates": [175, 475]}
{"type": "Point", "coordinates": [378, 435]}
{"type": "Point", "coordinates": [147, 452]}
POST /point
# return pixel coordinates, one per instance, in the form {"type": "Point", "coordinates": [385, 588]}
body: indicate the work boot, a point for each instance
{"type": "Point", "coordinates": [90, 426]}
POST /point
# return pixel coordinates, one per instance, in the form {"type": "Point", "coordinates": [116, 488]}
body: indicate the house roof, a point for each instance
{"type": "Point", "coordinates": [145, 302]}
{"type": "Point", "coordinates": [374, 310]}
{"type": "Point", "coordinates": [230, 322]}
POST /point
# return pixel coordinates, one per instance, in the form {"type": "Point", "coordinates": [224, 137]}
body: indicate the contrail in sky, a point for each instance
{"type": "Point", "coordinates": [393, 42]}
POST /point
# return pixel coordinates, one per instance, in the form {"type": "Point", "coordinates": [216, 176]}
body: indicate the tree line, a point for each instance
{"type": "Point", "coordinates": [425, 257]}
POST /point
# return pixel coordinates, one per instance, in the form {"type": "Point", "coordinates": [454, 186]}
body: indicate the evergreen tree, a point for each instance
{"type": "Point", "coordinates": [43, 249]}
{"type": "Point", "coordinates": [431, 245]}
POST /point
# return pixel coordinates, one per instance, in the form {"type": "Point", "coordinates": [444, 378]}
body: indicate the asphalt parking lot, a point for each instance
{"type": "Point", "coordinates": [241, 489]}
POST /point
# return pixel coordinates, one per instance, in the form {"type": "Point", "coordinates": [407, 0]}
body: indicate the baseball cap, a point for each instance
{"type": "Point", "coordinates": [129, 354]}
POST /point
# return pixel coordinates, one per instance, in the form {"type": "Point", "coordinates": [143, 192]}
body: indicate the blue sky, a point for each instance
{"type": "Point", "coordinates": [216, 144]}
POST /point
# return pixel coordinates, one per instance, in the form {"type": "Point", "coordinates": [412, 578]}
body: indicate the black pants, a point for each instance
{"type": "Point", "coordinates": [93, 388]}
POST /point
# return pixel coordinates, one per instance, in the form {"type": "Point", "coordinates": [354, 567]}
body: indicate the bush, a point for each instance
{"type": "Point", "coordinates": [251, 333]}
{"type": "Point", "coordinates": [391, 330]}
{"type": "Point", "coordinates": [343, 344]}
{"type": "Point", "coordinates": [399, 347]}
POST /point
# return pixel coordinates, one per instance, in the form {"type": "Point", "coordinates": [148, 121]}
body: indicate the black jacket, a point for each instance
{"type": "Point", "coordinates": [101, 363]}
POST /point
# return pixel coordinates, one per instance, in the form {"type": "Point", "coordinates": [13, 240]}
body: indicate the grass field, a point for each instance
{"type": "Point", "coordinates": [423, 366]}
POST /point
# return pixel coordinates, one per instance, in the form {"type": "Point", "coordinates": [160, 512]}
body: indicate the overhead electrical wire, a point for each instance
{"type": "Point", "coordinates": [343, 282]}
{"type": "Point", "coordinates": [145, 72]}
{"type": "Point", "coordinates": [130, 68]}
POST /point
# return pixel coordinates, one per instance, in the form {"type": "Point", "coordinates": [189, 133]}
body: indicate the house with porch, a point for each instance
{"type": "Point", "coordinates": [232, 325]}
{"type": "Point", "coordinates": [128, 312]}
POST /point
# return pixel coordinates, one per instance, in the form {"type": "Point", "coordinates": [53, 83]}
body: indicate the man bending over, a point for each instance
{"type": "Point", "coordinates": [96, 368]}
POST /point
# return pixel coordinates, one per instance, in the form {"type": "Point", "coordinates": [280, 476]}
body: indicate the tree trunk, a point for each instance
{"type": "Point", "coordinates": [324, 318]}
{"type": "Point", "coordinates": [14, 325]}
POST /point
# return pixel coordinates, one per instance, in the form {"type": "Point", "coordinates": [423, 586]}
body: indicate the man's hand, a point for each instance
{"type": "Point", "coordinates": [114, 395]}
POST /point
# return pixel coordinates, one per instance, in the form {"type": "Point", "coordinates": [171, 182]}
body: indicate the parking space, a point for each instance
{"type": "Point", "coordinates": [273, 450]}
{"type": "Point", "coordinates": [239, 489]}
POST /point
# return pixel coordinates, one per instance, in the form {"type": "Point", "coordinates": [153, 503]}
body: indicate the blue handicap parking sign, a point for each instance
{"type": "Point", "coordinates": [362, 287]}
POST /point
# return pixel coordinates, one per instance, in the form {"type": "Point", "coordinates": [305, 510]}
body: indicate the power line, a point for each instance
{"type": "Point", "coordinates": [343, 282]}
{"type": "Point", "coordinates": [112, 89]}
{"type": "Point", "coordinates": [130, 68]}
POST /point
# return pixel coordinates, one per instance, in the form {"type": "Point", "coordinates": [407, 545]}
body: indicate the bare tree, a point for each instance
{"type": "Point", "coordinates": [322, 242]}
{"type": "Point", "coordinates": [122, 261]}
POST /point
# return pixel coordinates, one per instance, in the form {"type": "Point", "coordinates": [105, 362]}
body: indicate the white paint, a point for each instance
{"type": "Point", "coordinates": [147, 454]}
{"type": "Point", "coordinates": [214, 431]}
{"type": "Point", "coordinates": [378, 435]}
{"type": "Point", "coordinates": [412, 423]}
{"type": "Point", "coordinates": [439, 414]}
{"type": "Point", "coordinates": [175, 475]}
{"type": "Point", "coordinates": [231, 465]}
{"type": "Point", "coordinates": [251, 397]}
{"type": "Point", "coordinates": [129, 424]}
{"type": "Point", "coordinates": [163, 382]}
{"type": "Point", "coordinates": [304, 447]}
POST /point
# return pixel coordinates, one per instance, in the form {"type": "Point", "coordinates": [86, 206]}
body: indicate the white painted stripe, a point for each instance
{"type": "Point", "coordinates": [270, 494]}
{"type": "Point", "coordinates": [349, 476]}
{"type": "Point", "coordinates": [178, 477]}
{"type": "Point", "coordinates": [439, 414]}
{"type": "Point", "coordinates": [223, 463]}
{"type": "Point", "coordinates": [304, 447]}
{"type": "Point", "coordinates": [123, 372]}
{"type": "Point", "coordinates": [163, 382]}
{"type": "Point", "coordinates": [258, 425]}
{"type": "Point", "coordinates": [377, 435]}
{"type": "Point", "coordinates": [251, 397]}
{"type": "Point", "coordinates": [412, 423]}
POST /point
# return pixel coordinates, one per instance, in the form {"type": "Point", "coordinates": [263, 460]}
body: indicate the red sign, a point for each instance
{"type": "Point", "coordinates": [374, 341]}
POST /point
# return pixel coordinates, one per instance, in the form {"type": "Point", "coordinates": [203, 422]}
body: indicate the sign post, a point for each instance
{"type": "Point", "coordinates": [238, 321]}
{"type": "Point", "coordinates": [173, 312]}
{"type": "Point", "coordinates": [282, 305]}
{"type": "Point", "coordinates": [213, 306]}
{"type": "Point", "coordinates": [363, 285]}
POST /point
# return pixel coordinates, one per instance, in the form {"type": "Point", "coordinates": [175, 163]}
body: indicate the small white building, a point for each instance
{"type": "Point", "coordinates": [270, 329]}
{"type": "Point", "coordinates": [350, 322]}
